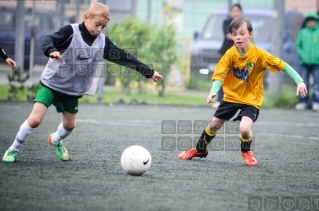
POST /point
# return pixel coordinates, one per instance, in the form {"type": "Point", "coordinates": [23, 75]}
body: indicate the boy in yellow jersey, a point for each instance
{"type": "Point", "coordinates": [241, 71]}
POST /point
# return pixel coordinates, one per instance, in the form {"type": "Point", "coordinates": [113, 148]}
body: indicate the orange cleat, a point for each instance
{"type": "Point", "coordinates": [249, 157]}
{"type": "Point", "coordinates": [191, 153]}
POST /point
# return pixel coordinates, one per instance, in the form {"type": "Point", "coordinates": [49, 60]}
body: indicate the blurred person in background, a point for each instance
{"type": "Point", "coordinates": [305, 21]}
{"type": "Point", "coordinates": [308, 50]}
{"type": "Point", "coordinates": [235, 11]}
{"type": "Point", "coordinates": [8, 60]}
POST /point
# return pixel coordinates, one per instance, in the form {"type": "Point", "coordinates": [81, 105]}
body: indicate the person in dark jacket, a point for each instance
{"type": "Point", "coordinates": [234, 12]}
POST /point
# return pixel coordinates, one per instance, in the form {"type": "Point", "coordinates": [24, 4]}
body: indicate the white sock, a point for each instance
{"type": "Point", "coordinates": [60, 134]}
{"type": "Point", "coordinates": [23, 133]}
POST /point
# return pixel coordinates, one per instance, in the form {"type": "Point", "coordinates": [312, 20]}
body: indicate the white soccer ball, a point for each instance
{"type": "Point", "coordinates": [136, 160]}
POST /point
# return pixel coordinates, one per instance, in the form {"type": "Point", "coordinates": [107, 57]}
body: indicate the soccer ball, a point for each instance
{"type": "Point", "coordinates": [136, 160]}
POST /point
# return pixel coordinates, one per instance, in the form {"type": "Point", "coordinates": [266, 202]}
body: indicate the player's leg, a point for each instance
{"type": "Point", "coordinates": [209, 133]}
{"type": "Point", "coordinates": [69, 109]}
{"type": "Point", "coordinates": [42, 101]}
{"type": "Point", "coordinates": [65, 128]}
{"type": "Point", "coordinates": [202, 144]}
{"type": "Point", "coordinates": [207, 136]}
{"type": "Point", "coordinates": [245, 133]}
{"type": "Point", "coordinates": [224, 112]}
{"type": "Point", "coordinates": [247, 116]}
{"type": "Point", "coordinates": [246, 137]}
{"type": "Point", "coordinates": [315, 95]}
{"type": "Point", "coordinates": [305, 75]}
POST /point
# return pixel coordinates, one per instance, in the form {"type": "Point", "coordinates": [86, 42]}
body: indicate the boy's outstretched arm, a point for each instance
{"type": "Point", "coordinates": [57, 41]}
{"type": "Point", "coordinates": [11, 62]}
{"type": "Point", "coordinates": [8, 60]}
{"type": "Point", "coordinates": [213, 92]}
{"type": "Point", "coordinates": [120, 56]}
{"type": "Point", "coordinates": [157, 77]}
{"type": "Point", "coordinates": [3, 54]}
{"type": "Point", "coordinates": [301, 87]}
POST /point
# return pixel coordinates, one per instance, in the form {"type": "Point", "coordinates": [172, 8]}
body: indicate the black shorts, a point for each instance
{"type": "Point", "coordinates": [227, 110]}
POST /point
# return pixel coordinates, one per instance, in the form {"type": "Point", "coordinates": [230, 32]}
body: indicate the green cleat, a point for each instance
{"type": "Point", "coordinates": [10, 156]}
{"type": "Point", "coordinates": [60, 149]}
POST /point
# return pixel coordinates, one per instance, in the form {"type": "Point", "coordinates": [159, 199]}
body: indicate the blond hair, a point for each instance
{"type": "Point", "coordinates": [100, 10]}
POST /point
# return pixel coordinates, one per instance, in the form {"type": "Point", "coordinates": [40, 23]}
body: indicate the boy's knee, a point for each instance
{"type": "Point", "coordinates": [70, 126]}
{"type": "Point", "coordinates": [214, 126]}
{"type": "Point", "coordinates": [245, 132]}
{"type": "Point", "coordinates": [34, 122]}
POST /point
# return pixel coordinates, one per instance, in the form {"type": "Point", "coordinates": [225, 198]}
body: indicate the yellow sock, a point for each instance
{"type": "Point", "coordinates": [246, 139]}
{"type": "Point", "coordinates": [204, 140]}
{"type": "Point", "coordinates": [210, 132]}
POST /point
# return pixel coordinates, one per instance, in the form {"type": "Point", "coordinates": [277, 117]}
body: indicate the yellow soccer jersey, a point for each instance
{"type": "Point", "coordinates": [242, 76]}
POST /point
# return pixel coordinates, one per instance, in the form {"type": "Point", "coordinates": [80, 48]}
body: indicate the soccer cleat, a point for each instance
{"type": "Point", "coordinates": [191, 153]}
{"type": "Point", "coordinates": [249, 157]}
{"type": "Point", "coordinates": [10, 156]}
{"type": "Point", "coordinates": [60, 149]}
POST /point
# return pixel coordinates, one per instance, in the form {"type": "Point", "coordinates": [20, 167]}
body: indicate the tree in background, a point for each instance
{"type": "Point", "coordinates": [149, 43]}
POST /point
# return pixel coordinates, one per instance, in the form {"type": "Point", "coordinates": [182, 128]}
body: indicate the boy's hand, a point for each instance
{"type": "Point", "coordinates": [11, 63]}
{"type": "Point", "coordinates": [302, 90]}
{"type": "Point", "coordinates": [210, 98]}
{"type": "Point", "coordinates": [157, 77]}
{"type": "Point", "coordinates": [56, 55]}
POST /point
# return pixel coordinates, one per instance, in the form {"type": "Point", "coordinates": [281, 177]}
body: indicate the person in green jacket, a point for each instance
{"type": "Point", "coordinates": [304, 23]}
{"type": "Point", "coordinates": [308, 50]}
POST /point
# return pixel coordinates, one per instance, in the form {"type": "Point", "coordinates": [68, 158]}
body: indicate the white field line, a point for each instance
{"type": "Point", "coordinates": [135, 123]}
{"type": "Point", "coordinates": [88, 121]}
{"type": "Point", "coordinates": [150, 123]}
{"type": "Point", "coordinates": [288, 124]}
{"type": "Point", "coordinates": [288, 136]}
{"type": "Point", "coordinates": [159, 121]}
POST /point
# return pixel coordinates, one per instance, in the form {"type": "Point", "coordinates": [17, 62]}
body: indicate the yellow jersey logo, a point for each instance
{"type": "Point", "coordinates": [250, 65]}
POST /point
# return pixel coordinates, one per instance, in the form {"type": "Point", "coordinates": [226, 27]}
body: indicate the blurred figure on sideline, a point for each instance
{"type": "Point", "coordinates": [305, 21]}
{"type": "Point", "coordinates": [235, 11]}
{"type": "Point", "coordinates": [307, 48]}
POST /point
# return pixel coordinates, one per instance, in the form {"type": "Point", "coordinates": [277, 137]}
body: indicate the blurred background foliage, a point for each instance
{"type": "Point", "coordinates": [154, 45]}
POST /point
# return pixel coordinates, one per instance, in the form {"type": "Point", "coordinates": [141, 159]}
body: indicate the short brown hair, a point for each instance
{"type": "Point", "coordinates": [99, 9]}
{"type": "Point", "coordinates": [238, 22]}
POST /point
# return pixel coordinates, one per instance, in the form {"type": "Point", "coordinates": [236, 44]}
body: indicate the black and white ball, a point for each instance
{"type": "Point", "coordinates": [136, 160]}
